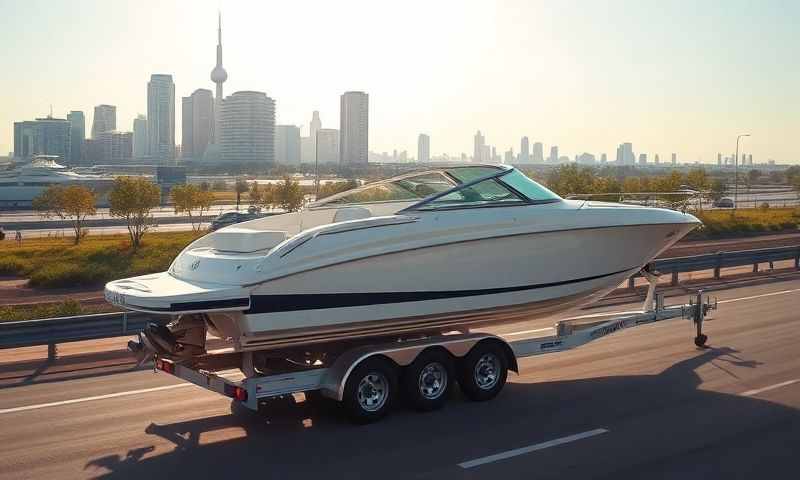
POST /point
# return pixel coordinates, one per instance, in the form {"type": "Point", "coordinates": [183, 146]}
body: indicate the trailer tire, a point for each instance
{"type": "Point", "coordinates": [483, 371]}
{"type": "Point", "coordinates": [370, 390]}
{"type": "Point", "coordinates": [428, 380]}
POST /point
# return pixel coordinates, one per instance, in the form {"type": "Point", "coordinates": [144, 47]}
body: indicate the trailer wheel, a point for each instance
{"type": "Point", "coordinates": [428, 380]}
{"type": "Point", "coordinates": [483, 371]}
{"type": "Point", "coordinates": [370, 390]}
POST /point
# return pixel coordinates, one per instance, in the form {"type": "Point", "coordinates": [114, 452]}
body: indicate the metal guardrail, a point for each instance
{"type": "Point", "coordinates": [52, 331]}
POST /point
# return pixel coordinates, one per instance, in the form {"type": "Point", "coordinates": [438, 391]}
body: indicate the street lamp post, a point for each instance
{"type": "Point", "coordinates": [316, 165]}
{"type": "Point", "coordinates": [736, 173]}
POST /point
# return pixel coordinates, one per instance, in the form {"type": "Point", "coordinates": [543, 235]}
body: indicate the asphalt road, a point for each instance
{"type": "Point", "coordinates": [643, 403]}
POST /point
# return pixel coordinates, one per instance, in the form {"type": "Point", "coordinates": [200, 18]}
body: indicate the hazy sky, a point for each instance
{"type": "Point", "coordinates": [683, 76]}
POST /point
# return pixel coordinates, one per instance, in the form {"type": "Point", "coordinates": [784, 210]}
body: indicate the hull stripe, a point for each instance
{"type": "Point", "coordinates": [317, 301]}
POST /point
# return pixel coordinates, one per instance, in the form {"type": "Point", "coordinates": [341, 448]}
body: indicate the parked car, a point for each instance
{"type": "Point", "coordinates": [232, 218]}
{"type": "Point", "coordinates": [723, 203]}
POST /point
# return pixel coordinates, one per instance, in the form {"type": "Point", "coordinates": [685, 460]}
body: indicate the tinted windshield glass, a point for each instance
{"type": "Point", "coordinates": [468, 174]}
{"type": "Point", "coordinates": [524, 185]}
{"type": "Point", "coordinates": [414, 187]}
{"type": "Point", "coordinates": [482, 193]}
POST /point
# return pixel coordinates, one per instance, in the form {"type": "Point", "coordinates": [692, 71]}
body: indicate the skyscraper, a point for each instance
{"type": "Point", "coordinates": [642, 159]}
{"type": "Point", "coordinates": [140, 136]}
{"type": "Point", "coordinates": [524, 151]}
{"type": "Point", "coordinates": [218, 76]}
{"type": "Point", "coordinates": [328, 146]}
{"type": "Point", "coordinates": [314, 125]}
{"type": "Point", "coordinates": [43, 136]}
{"type": "Point", "coordinates": [553, 158]}
{"type": "Point", "coordinates": [161, 118]}
{"type": "Point", "coordinates": [198, 123]}
{"type": "Point", "coordinates": [77, 136]}
{"type": "Point", "coordinates": [674, 158]}
{"type": "Point", "coordinates": [354, 128]}
{"type": "Point", "coordinates": [479, 144]}
{"type": "Point", "coordinates": [423, 148]}
{"type": "Point", "coordinates": [538, 152]}
{"type": "Point", "coordinates": [114, 147]}
{"type": "Point", "coordinates": [287, 144]}
{"type": "Point", "coordinates": [625, 154]}
{"type": "Point", "coordinates": [104, 120]}
{"type": "Point", "coordinates": [247, 128]}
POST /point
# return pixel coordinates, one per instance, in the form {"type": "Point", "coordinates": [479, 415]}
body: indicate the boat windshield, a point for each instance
{"type": "Point", "coordinates": [501, 188]}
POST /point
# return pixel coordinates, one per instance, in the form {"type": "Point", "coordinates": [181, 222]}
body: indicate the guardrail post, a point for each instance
{"type": "Point", "coordinates": [52, 352]}
{"type": "Point", "coordinates": [674, 279]}
{"type": "Point", "coordinates": [718, 267]}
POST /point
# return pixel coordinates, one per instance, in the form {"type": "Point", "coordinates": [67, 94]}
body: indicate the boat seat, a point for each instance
{"type": "Point", "coordinates": [351, 213]}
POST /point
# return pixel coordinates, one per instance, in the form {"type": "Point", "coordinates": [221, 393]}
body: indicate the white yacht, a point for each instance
{"type": "Point", "coordinates": [447, 249]}
{"type": "Point", "coordinates": [21, 184]}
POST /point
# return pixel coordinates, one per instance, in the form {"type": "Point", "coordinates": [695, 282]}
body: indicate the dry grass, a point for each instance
{"type": "Point", "coordinates": [732, 223]}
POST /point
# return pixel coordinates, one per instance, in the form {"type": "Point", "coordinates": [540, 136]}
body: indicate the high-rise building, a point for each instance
{"type": "Point", "coordinates": [314, 125]}
{"type": "Point", "coordinates": [113, 147]}
{"type": "Point", "coordinates": [328, 145]}
{"type": "Point", "coordinates": [140, 136]}
{"type": "Point", "coordinates": [479, 143]}
{"type": "Point", "coordinates": [538, 152]}
{"type": "Point", "coordinates": [354, 128]}
{"type": "Point", "coordinates": [247, 128]}
{"type": "Point", "coordinates": [719, 159]}
{"type": "Point", "coordinates": [642, 159]}
{"type": "Point", "coordinates": [524, 151]}
{"type": "Point", "coordinates": [674, 158]}
{"type": "Point", "coordinates": [218, 76]}
{"type": "Point", "coordinates": [508, 157]}
{"type": "Point", "coordinates": [553, 158]}
{"type": "Point", "coordinates": [656, 159]}
{"type": "Point", "coordinates": [625, 155]}
{"type": "Point", "coordinates": [161, 118]}
{"type": "Point", "coordinates": [197, 120]}
{"type": "Point", "coordinates": [43, 136]}
{"type": "Point", "coordinates": [104, 120]}
{"type": "Point", "coordinates": [603, 158]}
{"type": "Point", "coordinates": [423, 148]}
{"type": "Point", "coordinates": [585, 158]}
{"type": "Point", "coordinates": [287, 145]}
{"type": "Point", "coordinates": [750, 159]}
{"type": "Point", "coordinates": [77, 136]}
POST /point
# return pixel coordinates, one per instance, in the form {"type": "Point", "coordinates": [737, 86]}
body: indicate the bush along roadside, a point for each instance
{"type": "Point", "coordinates": [741, 223]}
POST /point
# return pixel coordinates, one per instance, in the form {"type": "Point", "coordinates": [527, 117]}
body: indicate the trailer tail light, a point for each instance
{"type": "Point", "coordinates": [238, 393]}
{"type": "Point", "coordinates": [165, 366]}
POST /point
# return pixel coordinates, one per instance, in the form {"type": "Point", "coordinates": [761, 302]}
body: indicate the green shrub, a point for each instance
{"type": "Point", "coordinates": [67, 308]}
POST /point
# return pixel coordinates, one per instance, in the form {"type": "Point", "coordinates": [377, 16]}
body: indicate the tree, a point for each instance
{"type": "Point", "coordinates": [288, 195]}
{"type": "Point", "coordinates": [717, 190]}
{"type": "Point", "coordinates": [133, 198]}
{"type": "Point", "coordinates": [751, 178]}
{"type": "Point", "coordinates": [73, 203]}
{"type": "Point", "coordinates": [189, 197]}
{"type": "Point", "coordinates": [255, 194]}
{"type": "Point", "coordinates": [240, 187]}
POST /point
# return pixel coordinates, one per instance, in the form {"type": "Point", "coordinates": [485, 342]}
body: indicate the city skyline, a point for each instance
{"type": "Point", "coordinates": [667, 91]}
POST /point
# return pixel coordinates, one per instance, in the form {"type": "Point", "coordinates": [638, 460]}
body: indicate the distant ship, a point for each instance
{"type": "Point", "coordinates": [20, 185]}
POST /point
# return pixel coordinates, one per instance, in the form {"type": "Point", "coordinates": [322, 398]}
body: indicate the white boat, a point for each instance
{"type": "Point", "coordinates": [20, 185]}
{"type": "Point", "coordinates": [447, 249]}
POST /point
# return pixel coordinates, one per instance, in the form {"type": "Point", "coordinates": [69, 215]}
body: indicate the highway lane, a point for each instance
{"type": "Point", "coordinates": [669, 410]}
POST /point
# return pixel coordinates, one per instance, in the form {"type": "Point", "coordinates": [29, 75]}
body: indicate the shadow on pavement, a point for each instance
{"type": "Point", "coordinates": [661, 426]}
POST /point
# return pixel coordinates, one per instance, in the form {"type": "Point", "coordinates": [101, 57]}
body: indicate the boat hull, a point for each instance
{"type": "Point", "coordinates": [443, 287]}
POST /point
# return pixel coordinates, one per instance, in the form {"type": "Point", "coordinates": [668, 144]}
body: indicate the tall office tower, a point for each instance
{"type": "Point", "coordinates": [423, 148]}
{"type": "Point", "coordinates": [43, 136]}
{"type": "Point", "coordinates": [674, 158]}
{"type": "Point", "coordinates": [113, 147]}
{"type": "Point", "coordinates": [328, 145]}
{"type": "Point", "coordinates": [603, 158]}
{"type": "Point", "coordinates": [140, 136]}
{"type": "Point", "coordinates": [314, 125]}
{"type": "Point", "coordinates": [508, 157]}
{"type": "Point", "coordinates": [287, 145]}
{"type": "Point", "coordinates": [524, 151]}
{"type": "Point", "coordinates": [308, 150]}
{"type": "Point", "coordinates": [247, 128]}
{"type": "Point", "coordinates": [104, 120]}
{"type": "Point", "coordinates": [198, 123]}
{"type": "Point", "coordinates": [538, 152]}
{"type": "Point", "coordinates": [161, 118]}
{"type": "Point", "coordinates": [480, 142]}
{"type": "Point", "coordinates": [625, 155]}
{"type": "Point", "coordinates": [553, 158]}
{"type": "Point", "coordinates": [218, 76]}
{"type": "Point", "coordinates": [750, 159]}
{"type": "Point", "coordinates": [719, 159]}
{"type": "Point", "coordinates": [354, 128]}
{"type": "Point", "coordinates": [77, 136]}
{"type": "Point", "coordinates": [642, 159]}
{"type": "Point", "coordinates": [656, 160]}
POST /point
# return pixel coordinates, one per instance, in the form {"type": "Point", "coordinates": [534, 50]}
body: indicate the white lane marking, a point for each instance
{"type": "Point", "coordinates": [752, 297]}
{"type": "Point", "coordinates": [525, 332]}
{"type": "Point", "coordinates": [531, 448]}
{"type": "Point", "coordinates": [96, 397]}
{"type": "Point", "coordinates": [756, 391]}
